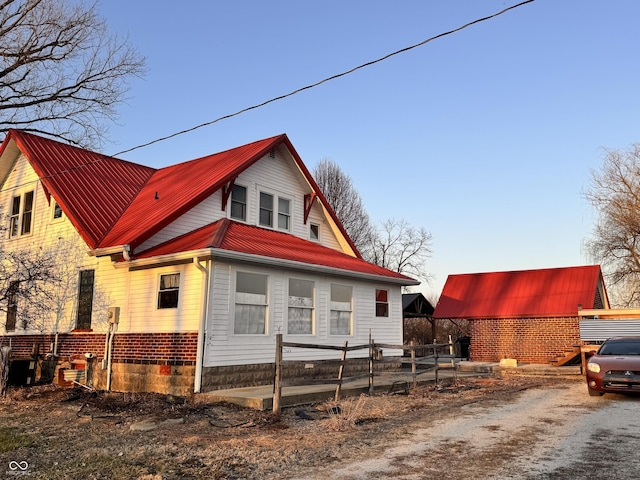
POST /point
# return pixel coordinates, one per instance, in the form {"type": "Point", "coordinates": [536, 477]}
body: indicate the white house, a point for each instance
{"type": "Point", "coordinates": [178, 279]}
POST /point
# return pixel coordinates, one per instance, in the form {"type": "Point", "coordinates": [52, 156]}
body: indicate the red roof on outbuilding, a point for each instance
{"type": "Point", "coordinates": [552, 292]}
{"type": "Point", "coordinates": [241, 238]}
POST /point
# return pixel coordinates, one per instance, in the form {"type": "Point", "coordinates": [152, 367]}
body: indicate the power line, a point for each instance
{"type": "Point", "coordinates": [333, 77]}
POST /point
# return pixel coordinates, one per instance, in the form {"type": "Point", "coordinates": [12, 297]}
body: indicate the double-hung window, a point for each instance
{"type": "Point", "coordinates": [266, 209]}
{"type": "Point", "coordinates": [169, 290]}
{"type": "Point", "coordinates": [239, 203]}
{"type": "Point", "coordinates": [340, 315]}
{"type": "Point", "coordinates": [21, 216]}
{"type": "Point", "coordinates": [382, 303]}
{"type": "Point", "coordinates": [300, 319]}
{"type": "Point", "coordinates": [250, 304]}
{"type": "Point", "coordinates": [266, 216]}
{"type": "Point", "coordinates": [284, 213]}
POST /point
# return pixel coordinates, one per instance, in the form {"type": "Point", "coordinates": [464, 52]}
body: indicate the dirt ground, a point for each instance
{"type": "Point", "coordinates": [48, 433]}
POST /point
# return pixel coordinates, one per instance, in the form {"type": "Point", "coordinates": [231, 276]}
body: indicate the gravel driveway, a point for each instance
{"type": "Point", "coordinates": [556, 432]}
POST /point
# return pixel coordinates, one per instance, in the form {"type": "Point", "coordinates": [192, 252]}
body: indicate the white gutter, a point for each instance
{"type": "Point", "coordinates": [185, 257]}
{"type": "Point", "coordinates": [204, 310]}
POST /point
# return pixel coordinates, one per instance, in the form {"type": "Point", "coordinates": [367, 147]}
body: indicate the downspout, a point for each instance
{"type": "Point", "coordinates": [126, 250]}
{"type": "Point", "coordinates": [197, 382]}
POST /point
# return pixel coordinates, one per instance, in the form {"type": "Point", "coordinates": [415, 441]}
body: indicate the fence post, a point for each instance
{"type": "Point", "coordinates": [453, 359]}
{"type": "Point", "coordinates": [370, 364]}
{"type": "Point", "coordinates": [277, 381]}
{"type": "Point", "coordinates": [341, 370]}
{"type": "Point", "coordinates": [435, 354]}
{"type": "Point", "coordinates": [413, 363]}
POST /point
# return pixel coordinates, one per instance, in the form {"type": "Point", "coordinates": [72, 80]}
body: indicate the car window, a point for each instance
{"type": "Point", "coordinates": [620, 348]}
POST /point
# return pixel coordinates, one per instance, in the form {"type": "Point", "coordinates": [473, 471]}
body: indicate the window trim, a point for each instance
{"type": "Point", "coordinates": [380, 302]}
{"type": "Point", "coordinates": [235, 303]}
{"type": "Point", "coordinates": [55, 204]}
{"type": "Point", "coordinates": [88, 314]}
{"type": "Point", "coordinates": [160, 290]}
{"type": "Point", "coordinates": [244, 205]}
{"type": "Point", "coordinates": [311, 237]}
{"type": "Point", "coordinates": [17, 219]}
{"type": "Point", "coordinates": [331, 309]}
{"type": "Point", "coordinates": [286, 215]}
{"type": "Point", "coordinates": [312, 308]}
{"type": "Point", "coordinates": [266, 209]}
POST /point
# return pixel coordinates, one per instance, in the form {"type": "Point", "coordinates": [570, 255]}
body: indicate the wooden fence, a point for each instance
{"type": "Point", "coordinates": [431, 362]}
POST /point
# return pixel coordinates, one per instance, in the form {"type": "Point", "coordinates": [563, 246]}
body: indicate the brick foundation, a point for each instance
{"type": "Point", "coordinates": [528, 340]}
{"type": "Point", "coordinates": [141, 362]}
{"type": "Point", "coordinates": [165, 363]}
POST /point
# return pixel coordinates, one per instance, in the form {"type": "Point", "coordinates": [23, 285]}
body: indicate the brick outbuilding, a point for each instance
{"type": "Point", "coordinates": [528, 315]}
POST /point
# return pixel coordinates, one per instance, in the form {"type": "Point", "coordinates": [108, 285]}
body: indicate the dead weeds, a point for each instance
{"type": "Point", "coordinates": [82, 434]}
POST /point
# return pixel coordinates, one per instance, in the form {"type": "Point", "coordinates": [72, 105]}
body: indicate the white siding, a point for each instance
{"type": "Point", "coordinates": [134, 292]}
{"type": "Point", "coordinates": [225, 348]}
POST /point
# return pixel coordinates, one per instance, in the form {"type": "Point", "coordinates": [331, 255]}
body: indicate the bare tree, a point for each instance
{"type": "Point", "coordinates": [338, 189]}
{"type": "Point", "coordinates": [25, 287]}
{"type": "Point", "coordinates": [402, 248]}
{"type": "Point", "coordinates": [61, 72]}
{"type": "Point", "coordinates": [614, 192]}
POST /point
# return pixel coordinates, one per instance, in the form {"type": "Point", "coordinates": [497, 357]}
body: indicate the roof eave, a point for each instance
{"type": "Point", "coordinates": [185, 257]}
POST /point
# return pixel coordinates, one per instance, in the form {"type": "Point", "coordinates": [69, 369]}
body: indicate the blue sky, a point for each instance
{"type": "Point", "coordinates": [486, 137]}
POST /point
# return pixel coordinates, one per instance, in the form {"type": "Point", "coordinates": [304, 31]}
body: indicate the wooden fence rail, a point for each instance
{"type": "Point", "coordinates": [375, 350]}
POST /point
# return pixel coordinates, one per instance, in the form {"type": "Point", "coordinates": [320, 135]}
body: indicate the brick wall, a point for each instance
{"type": "Point", "coordinates": [147, 348]}
{"type": "Point", "coordinates": [528, 340]}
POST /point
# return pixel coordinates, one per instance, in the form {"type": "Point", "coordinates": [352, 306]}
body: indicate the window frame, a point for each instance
{"type": "Point", "coordinates": [311, 308]}
{"type": "Point", "coordinates": [164, 292]}
{"type": "Point", "coordinates": [244, 299]}
{"type": "Point", "coordinates": [284, 215]}
{"type": "Point", "coordinates": [12, 306]}
{"type": "Point", "coordinates": [267, 209]}
{"type": "Point", "coordinates": [55, 207]}
{"type": "Point", "coordinates": [21, 219]}
{"type": "Point", "coordinates": [380, 303]}
{"type": "Point", "coordinates": [238, 203]}
{"type": "Point", "coordinates": [333, 304]}
{"type": "Point", "coordinates": [84, 313]}
{"type": "Point", "coordinates": [315, 238]}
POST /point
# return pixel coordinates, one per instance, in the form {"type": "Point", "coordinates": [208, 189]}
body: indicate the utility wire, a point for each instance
{"type": "Point", "coordinates": [333, 77]}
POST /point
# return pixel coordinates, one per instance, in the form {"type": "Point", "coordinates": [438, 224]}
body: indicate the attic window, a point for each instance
{"type": "Point", "coordinates": [239, 202]}
{"type": "Point", "coordinates": [57, 211]}
{"type": "Point", "coordinates": [314, 231]}
{"type": "Point", "coordinates": [20, 220]}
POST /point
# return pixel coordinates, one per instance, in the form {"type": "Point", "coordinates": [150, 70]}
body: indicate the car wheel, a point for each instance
{"type": "Point", "coordinates": [594, 393]}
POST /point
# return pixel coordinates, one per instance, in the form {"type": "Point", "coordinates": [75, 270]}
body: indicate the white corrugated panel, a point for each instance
{"type": "Point", "coordinates": [598, 330]}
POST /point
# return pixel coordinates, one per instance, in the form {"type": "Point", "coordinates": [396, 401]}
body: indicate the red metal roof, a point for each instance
{"type": "Point", "coordinates": [552, 292]}
{"type": "Point", "coordinates": [173, 190]}
{"type": "Point", "coordinates": [239, 237]}
{"type": "Point", "coordinates": [93, 189]}
{"type": "Point", "coordinates": [112, 202]}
